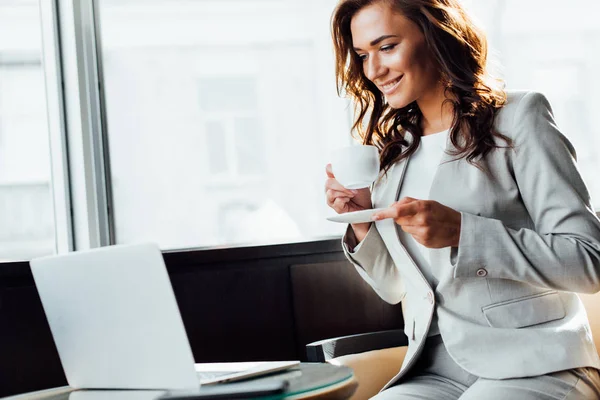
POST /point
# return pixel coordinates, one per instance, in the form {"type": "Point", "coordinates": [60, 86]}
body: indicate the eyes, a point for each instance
{"type": "Point", "coordinates": [384, 49]}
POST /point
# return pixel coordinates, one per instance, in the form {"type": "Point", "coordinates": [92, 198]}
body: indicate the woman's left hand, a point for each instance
{"type": "Point", "coordinates": [432, 224]}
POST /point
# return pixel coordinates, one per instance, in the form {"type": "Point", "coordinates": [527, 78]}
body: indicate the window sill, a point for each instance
{"type": "Point", "coordinates": [17, 273]}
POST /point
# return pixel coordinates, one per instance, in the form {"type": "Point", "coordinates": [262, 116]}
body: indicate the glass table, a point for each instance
{"type": "Point", "coordinates": [307, 381]}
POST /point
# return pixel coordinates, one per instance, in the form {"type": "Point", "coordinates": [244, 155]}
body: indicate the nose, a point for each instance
{"type": "Point", "coordinates": [374, 68]}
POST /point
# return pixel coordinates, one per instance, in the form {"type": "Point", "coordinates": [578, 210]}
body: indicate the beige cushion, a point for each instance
{"type": "Point", "coordinates": [592, 307]}
{"type": "Point", "coordinates": [373, 369]}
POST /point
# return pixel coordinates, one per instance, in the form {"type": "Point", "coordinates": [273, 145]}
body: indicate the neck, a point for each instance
{"type": "Point", "coordinates": [437, 115]}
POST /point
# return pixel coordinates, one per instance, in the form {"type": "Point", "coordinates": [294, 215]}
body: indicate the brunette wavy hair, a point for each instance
{"type": "Point", "coordinates": [460, 51]}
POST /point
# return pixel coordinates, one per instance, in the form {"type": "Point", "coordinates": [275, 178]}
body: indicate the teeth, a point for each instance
{"type": "Point", "coordinates": [389, 85]}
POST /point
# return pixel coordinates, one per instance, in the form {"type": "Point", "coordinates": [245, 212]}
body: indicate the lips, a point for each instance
{"type": "Point", "coordinates": [391, 85]}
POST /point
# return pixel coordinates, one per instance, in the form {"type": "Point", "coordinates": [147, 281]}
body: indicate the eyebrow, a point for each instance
{"type": "Point", "coordinates": [378, 40]}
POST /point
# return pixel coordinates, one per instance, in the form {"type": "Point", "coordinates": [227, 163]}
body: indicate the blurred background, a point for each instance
{"type": "Point", "coordinates": [221, 114]}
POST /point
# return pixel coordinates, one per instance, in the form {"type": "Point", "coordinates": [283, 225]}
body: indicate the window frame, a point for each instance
{"type": "Point", "coordinates": [59, 165]}
{"type": "Point", "coordinates": [80, 162]}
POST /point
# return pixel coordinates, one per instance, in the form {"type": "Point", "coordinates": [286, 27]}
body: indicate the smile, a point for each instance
{"type": "Point", "coordinates": [390, 86]}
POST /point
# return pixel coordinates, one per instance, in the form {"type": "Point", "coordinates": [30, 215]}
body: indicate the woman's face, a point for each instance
{"type": "Point", "coordinates": [394, 54]}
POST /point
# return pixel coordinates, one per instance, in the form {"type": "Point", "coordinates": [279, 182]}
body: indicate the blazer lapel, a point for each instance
{"type": "Point", "coordinates": [386, 193]}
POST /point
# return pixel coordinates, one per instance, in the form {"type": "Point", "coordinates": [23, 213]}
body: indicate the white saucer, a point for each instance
{"type": "Point", "coordinates": [355, 217]}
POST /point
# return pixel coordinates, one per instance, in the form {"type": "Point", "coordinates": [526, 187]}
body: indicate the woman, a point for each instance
{"type": "Point", "coordinates": [488, 230]}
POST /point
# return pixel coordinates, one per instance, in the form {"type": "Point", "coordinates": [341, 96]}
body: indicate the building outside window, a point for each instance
{"type": "Point", "coordinates": [235, 140]}
{"type": "Point", "coordinates": [26, 217]}
{"type": "Point", "coordinates": [221, 117]}
{"type": "Point", "coordinates": [542, 45]}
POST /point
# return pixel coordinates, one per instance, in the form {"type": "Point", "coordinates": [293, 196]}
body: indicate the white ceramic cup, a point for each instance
{"type": "Point", "coordinates": [355, 167]}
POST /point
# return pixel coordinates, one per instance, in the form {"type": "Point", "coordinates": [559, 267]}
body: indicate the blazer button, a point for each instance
{"type": "Point", "coordinates": [430, 297]}
{"type": "Point", "coordinates": [481, 272]}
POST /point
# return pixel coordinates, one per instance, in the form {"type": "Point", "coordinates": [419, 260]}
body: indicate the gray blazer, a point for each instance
{"type": "Point", "coordinates": [529, 239]}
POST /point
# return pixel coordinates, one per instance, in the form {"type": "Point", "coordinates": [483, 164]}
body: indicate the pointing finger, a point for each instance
{"type": "Point", "coordinates": [401, 209]}
{"type": "Point", "coordinates": [389, 212]}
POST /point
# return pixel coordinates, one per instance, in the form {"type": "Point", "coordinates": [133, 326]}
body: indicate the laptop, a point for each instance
{"type": "Point", "coordinates": [116, 323]}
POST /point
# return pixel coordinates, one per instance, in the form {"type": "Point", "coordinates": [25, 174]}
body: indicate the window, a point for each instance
{"type": "Point", "coordinates": [544, 46]}
{"type": "Point", "coordinates": [234, 138]}
{"type": "Point", "coordinates": [26, 216]}
{"type": "Point", "coordinates": [221, 116]}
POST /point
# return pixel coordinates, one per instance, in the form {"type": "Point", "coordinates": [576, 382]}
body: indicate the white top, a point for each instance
{"type": "Point", "coordinates": [418, 178]}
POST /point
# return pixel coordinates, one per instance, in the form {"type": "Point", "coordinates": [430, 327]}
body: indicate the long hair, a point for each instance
{"type": "Point", "coordinates": [459, 48]}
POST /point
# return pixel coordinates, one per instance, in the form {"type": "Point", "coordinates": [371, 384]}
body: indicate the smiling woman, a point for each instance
{"type": "Point", "coordinates": [484, 210]}
{"type": "Point", "coordinates": [431, 55]}
{"type": "Point", "coordinates": [391, 59]}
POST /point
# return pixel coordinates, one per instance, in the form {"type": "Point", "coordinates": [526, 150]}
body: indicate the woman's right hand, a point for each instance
{"type": "Point", "coordinates": [344, 200]}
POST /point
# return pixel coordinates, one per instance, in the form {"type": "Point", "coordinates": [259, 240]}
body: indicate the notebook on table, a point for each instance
{"type": "Point", "coordinates": [116, 323]}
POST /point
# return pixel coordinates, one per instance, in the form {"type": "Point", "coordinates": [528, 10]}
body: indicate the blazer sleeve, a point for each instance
{"type": "Point", "coordinates": [374, 264]}
{"type": "Point", "coordinates": [563, 250]}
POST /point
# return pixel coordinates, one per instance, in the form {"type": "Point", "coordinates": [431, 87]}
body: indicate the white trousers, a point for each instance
{"type": "Point", "coordinates": [437, 377]}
